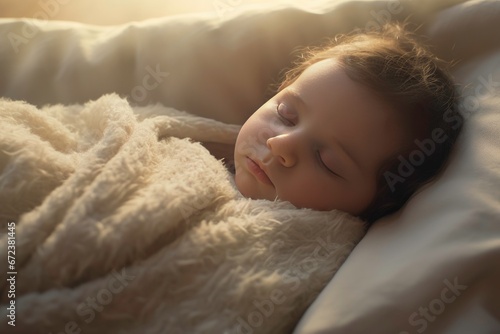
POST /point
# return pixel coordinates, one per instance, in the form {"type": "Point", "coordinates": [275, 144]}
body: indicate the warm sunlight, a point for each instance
{"type": "Point", "coordinates": [122, 11]}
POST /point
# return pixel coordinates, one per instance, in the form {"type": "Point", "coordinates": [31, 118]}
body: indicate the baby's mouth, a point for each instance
{"type": "Point", "coordinates": [260, 174]}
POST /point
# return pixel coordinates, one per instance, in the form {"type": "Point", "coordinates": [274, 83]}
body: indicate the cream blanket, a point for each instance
{"type": "Point", "coordinates": [123, 225]}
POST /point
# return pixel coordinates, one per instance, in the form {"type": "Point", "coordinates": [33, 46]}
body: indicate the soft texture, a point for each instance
{"type": "Point", "coordinates": [113, 208]}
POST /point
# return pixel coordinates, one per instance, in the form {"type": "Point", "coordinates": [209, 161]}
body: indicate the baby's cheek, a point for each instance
{"type": "Point", "coordinates": [358, 197]}
{"type": "Point", "coordinates": [243, 183]}
{"type": "Point", "coordinates": [265, 129]}
{"type": "Point", "coordinates": [306, 191]}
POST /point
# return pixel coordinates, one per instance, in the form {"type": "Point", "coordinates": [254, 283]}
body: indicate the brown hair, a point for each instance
{"type": "Point", "coordinates": [394, 65]}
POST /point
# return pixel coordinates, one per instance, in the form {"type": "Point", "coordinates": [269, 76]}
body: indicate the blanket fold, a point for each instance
{"type": "Point", "coordinates": [126, 224]}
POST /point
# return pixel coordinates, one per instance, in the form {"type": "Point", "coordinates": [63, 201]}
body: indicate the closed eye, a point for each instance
{"type": "Point", "coordinates": [287, 117]}
{"type": "Point", "coordinates": [323, 165]}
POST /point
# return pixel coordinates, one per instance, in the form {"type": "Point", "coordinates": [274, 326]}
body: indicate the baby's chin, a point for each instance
{"type": "Point", "coordinates": [250, 188]}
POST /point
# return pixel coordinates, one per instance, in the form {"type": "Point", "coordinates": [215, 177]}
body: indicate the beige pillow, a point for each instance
{"type": "Point", "coordinates": [219, 68]}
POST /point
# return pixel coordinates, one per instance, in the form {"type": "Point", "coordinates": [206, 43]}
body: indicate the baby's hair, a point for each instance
{"type": "Point", "coordinates": [412, 80]}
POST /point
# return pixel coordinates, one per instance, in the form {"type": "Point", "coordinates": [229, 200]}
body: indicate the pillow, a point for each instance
{"type": "Point", "coordinates": [433, 266]}
{"type": "Point", "coordinates": [200, 63]}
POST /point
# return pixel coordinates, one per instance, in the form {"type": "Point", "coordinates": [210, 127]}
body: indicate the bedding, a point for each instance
{"type": "Point", "coordinates": [124, 223]}
{"type": "Point", "coordinates": [215, 67]}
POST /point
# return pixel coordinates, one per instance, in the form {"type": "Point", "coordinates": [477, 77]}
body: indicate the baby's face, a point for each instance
{"type": "Point", "coordinates": [318, 143]}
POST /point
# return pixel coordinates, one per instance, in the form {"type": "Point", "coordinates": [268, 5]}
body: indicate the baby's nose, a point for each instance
{"type": "Point", "coordinates": [282, 149]}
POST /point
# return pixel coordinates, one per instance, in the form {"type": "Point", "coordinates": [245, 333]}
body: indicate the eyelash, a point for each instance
{"type": "Point", "coordinates": [283, 119]}
{"type": "Point", "coordinates": [323, 165]}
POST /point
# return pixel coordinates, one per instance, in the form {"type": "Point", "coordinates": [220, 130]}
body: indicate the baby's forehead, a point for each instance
{"type": "Point", "coordinates": [325, 67]}
{"type": "Point", "coordinates": [334, 75]}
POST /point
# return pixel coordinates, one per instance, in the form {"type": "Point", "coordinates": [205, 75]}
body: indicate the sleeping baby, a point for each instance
{"type": "Point", "coordinates": [356, 126]}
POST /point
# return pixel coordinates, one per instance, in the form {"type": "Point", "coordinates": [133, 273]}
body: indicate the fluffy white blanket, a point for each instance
{"type": "Point", "coordinates": [124, 225]}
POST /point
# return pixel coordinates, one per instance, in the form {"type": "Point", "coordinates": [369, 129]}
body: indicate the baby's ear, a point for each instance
{"type": "Point", "coordinates": [220, 150]}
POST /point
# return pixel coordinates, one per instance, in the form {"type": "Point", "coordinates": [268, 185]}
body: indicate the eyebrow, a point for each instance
{"type": "Point", "coordinates": [298, 100]}
{"type": "Point", "coordinates": [295, 96]}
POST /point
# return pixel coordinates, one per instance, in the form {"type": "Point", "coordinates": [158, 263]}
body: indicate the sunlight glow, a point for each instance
{"type": "Point", "coordinates": [108, 12]}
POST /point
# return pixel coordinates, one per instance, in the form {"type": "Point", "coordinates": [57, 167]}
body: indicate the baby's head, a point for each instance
{"type": "Point", "coordinates": [356, 126]}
